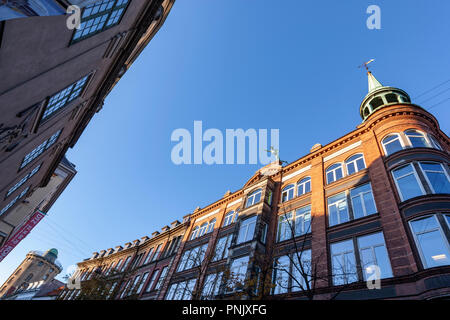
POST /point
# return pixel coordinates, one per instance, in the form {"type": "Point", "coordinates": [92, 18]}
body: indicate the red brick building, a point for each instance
{"type": "Point", "coordinates": [373, 204]}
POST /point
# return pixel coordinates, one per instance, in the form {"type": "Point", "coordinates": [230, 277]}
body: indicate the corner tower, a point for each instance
{"type": "Point", "coordinates": [380, 96]}
{"type": "Point", "coordinates": [38, 268]}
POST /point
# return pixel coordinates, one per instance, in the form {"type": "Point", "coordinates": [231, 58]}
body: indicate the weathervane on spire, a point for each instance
{"type": "Point", "coordinates": [365, 65]}
{"type": "Point", "coordinates": [275, 152]}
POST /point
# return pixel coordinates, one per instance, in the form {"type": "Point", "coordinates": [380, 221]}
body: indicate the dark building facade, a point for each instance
{"type": "Point", "coordinates": [53, 80]}
{"type": "Point", "coordinates": [366, 216]}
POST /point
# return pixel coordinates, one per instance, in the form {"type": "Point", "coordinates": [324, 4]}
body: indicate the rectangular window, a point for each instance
{"type": "Point", "coordinates": [302, 221]}
{"type": "Point", "coordinates": [162, 276]}
{"type": "Point", "coordinates": [338, 209]}
{"type": "Point", "coordinates": [64, 97]}
{"type": "Point", "coordinates": [363, 203]}
{"type": "Point", "coordinates": [152, 280]}
{"type": "Point", "coordinates": [158, 249]}
{"type": "Point", "coordinates": [281, 274]}
{"type": "Point", "coordinates": [301, 270]}
{"type": "Point", "coordinates": [23, 180]}
{"type": "Point", "coordinates": [285, 226]}
{"type": "Point", "coordinates": [141, 284]}
{"type": "Point", "coordinates": [149, 256]}
{"type": "Point", "coordinates": [238, 271]}
{"type": "Point", "coordinates": [36, 152]}
{"type": "Point", "coordinates": [431, 242]}
{"type": "Point", "coordinates": [372, 251]}
{"type": "Point", "coordinates": [13, 201]}
{"type": "Point", "coordinates": [343, 262]}
{"type": "Point", "coordinates": [300, 224]}
{"type": "Point", "coordinates": [98, 17]}
{"type": "Point", "coordinates": [289, 274]}
{"type": "Point", "coordinates": [247, 230]}
{"type": "Point", "coordinates": [211, 288]}
{"type": "Point", "coordinates": [192, 258]}
{"type": "Point", "coordinates": [436, 176]}
{"type": "Point", "coordinates": [222, 246]}
{"type": "Point", "coordinates": [407, 182]}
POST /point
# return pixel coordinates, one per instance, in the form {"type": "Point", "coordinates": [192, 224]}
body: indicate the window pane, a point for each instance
{"type": "Point", "coordinates": [337, 209]}
{"type": "Point", "coordinates": [431, 242]}
{"type": "Point", "coordinates": [436, 177]}
{"type": "Point", "coordinates": [392, 144]}
{"type": "Point", "coordinates": [343, 262]}
{"type": "Point", "coordinates": [362, 201]}
{"type": "Point", "coordinates": [301, 272]}
{"type": "Point", "coordinates": [407, 183]}
{"type": "Point", "coordinates": [281, 273]}
{"type": "Point", "coordinates": [373, 252]}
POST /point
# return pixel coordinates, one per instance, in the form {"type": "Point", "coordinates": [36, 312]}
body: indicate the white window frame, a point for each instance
{"type": "Point", "coordinates": [252, 197]}
{"type": "Point", "coordinates": [228, 219]}
{"type": "Point", "coordinates": [289, 189]}
{"type": "Point", "coordinates": [194, 232]}
{"type": "Point", "coordinates": [336, 204]}
{"type": "Point", "coordinates": [246, 226]}
{"type": "Point", "coordinates": [417, 243]}
{"type": "Point", "coordinates": [211, 226]}
{"type": "Point", "coordinates": [399, 138]}
{"type": "Point", "coordinates": [425, 173]}
{"type": "Point", "coordinates": [417, 134]}
{"type": "Point", "coordinates": [302, 183]}
{"type": "Point", "coordinates": [333, 171]}
{"type": "Point", "coordinates": [361, 196]}
{"type": "Point", "coordinates": [203, 228]}
{"type": "Point", "coordinates": [354, 162]}
{"type": "Point", "coordinates": [415, 175]}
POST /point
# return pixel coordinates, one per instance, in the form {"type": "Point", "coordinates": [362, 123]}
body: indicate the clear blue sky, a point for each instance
{"type": "Point", "coordinates": [288, 65]}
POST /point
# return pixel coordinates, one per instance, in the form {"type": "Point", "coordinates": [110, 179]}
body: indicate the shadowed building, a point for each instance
{"type": "Point", "coordinates": [368, 210]}
{"type": "Point", "coordinates": [56, 80]}
{"type": "Point", "coordinates": [38, 269]}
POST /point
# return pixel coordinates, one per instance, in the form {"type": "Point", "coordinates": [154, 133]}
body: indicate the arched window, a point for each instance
{"type": "Point", "coordinates": [417, 139]}
{"type": "Point", "coordinates": [392, 143]}
{"type": "Point", "coordinates": [211, 225]}
{"type": "Point", "coordinates": [304, 186]}
{"type": "Point", "coordinates": [288, 193]}
{"type": "Point", "coordinates": [253, 198]}
{"type": "Point", "coordinates": [334, 172]}
{"type": "Point", "coordinates": [355, 163]}
{"type": "Point", "coordinates": [228, 219]}
{"type": "Point", "coordinates": [203, 228]}
{"type": "Point", "coordinates": [194, 233]}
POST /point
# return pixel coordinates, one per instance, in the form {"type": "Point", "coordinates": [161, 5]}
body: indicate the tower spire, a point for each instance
{"type": "Point", "coordinates": [373, 82]}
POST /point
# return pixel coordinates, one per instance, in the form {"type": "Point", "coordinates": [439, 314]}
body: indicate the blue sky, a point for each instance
{"type": "Point", "coordinates": [288, 65]}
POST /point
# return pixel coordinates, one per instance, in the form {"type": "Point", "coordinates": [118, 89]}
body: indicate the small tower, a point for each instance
{"type": "Point", "coordinates": [37, 267]}
{"type": "Point", "coordinates": [380, 96]}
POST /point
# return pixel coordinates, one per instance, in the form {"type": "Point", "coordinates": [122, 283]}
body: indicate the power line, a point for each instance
{"type": "Point", "coordinates": [439, 85]}
{"type": "Point", "coordinates": [69, 242]}
{"type": "Point", "coordinates": [81, 241]}
{"type": "Point", "coordinates": [432, 97]}
{"type": "Point", "coordinates": [435, 105]}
